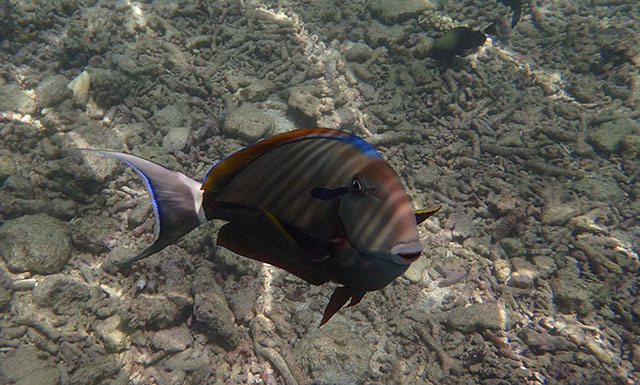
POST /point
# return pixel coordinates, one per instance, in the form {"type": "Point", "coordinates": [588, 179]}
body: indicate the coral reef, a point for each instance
{"type": "Point", "coordinates": [530, 145]}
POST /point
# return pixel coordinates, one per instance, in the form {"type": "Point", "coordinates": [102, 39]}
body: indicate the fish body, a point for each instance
{"type": "Point", "coordinates": [516, 7]}
{"type": "Point", "coordinates": [455, 42]}
{"type": "Point", "coordinates": [319, 203]}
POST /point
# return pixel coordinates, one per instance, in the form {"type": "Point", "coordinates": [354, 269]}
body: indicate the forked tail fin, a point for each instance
{"type": "Point", "coordinates": [177, 201]}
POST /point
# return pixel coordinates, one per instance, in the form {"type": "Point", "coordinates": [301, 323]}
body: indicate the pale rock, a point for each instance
{"type": "Point", "coordinates": [159, 310]}
{"type": "Point", "coordinates": [6, 290]}
{"type": "Point", "coordinates": [52, 91]}
{"type": "Point", "coordinates": [96, 371]}
{"type": "Point", "coordinates": [571, 294]}
{"type": "Point", "coordinates": [80, 88]}
{"type": "Point", "coordinates": [522, 279]}
{"type": "Point", "coordinates": [586, 224]}
{"type": "Point", "coordinates": [396, 11]}
{"type": "Point", "coordinates": [307, 104]}
{"type": "Point", "coordinates": [35, 243]}
{"type": "Point", "coordinates": [176, 139]}
{"type": "Point", "coordinates": [556, 213]}
{"type": "Point", "coordinates": [501, 269]}
{"type": "Point", "coordinates": [27, 365]}
{"type": "Point", "coordinates": [602, 188]}
{"type": "Point", "coordinates": [15, 99]}
{"type": "Point", "coordinates": [630, 146]}
{"type": "Point", "coordinates": [607, 138]}
{"type": "Point", "coordinates": [173, 340]}
{"type": "Point", "coordinates": [477, 317]}
{"type": "Point", "coordinates": [358, 52]}
{"type": "Point", "coordinates": [423, 47]}
{"type": "Point", "coordinates": [248, 123]}
{"type": "Point", "coordinates": [524, 274]}
{"type": "Point", "coordinates": [7, 166]}
{"type": "Point", "coordinates": [546, 266]}
{"type": "Point", "coordinates": [334, 353]}
{"type": "Point", "coordinates": [416, 270]}
{"type": "Point", "coordinates": [64, 294]}
{"type": "Point", "coordinates": [114, 340]}
{"type": "Point", "coordinates": [211, 310]}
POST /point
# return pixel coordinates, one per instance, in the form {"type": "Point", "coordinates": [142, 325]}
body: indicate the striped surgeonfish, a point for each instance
{"type": "Point", "coordinates": [319, 203]}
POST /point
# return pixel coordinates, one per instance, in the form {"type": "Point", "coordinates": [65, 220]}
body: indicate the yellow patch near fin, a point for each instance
{"type": "Point", "coordinates": [276, 222]}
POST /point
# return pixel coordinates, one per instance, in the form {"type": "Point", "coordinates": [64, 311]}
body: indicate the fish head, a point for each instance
{"type": "Point", "coordinates": [377, 216]}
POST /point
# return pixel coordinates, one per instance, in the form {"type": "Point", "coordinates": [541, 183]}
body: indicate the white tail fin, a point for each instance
{"type": "Point", "coordinates": [177, 201]}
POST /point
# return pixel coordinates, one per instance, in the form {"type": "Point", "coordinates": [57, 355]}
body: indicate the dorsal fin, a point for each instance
{"type": "Point", "coordinates": [222, 172]}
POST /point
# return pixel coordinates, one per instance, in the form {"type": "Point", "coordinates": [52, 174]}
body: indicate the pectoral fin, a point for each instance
{"type": "Point", "coordinates": [235, 238]}
{"type": "Point", "coordinates": [280, 226]}
{"type": "Point", "coordinates": [315, 247]}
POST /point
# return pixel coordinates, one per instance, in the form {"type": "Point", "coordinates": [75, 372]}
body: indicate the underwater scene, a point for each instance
{"type": "Point", "coordinates": [290, 192]}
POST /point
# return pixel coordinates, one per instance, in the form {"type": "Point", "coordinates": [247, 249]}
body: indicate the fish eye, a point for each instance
{"type": "Point", "coordinates": [357, 186]}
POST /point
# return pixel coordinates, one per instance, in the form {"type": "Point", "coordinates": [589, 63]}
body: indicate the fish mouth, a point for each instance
{"type": "Point", "coordinates": [408, 258]}
{"type": "Point", "coordinates": [407, 252]}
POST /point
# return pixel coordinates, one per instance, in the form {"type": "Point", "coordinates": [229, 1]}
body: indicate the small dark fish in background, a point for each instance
{"type": "Point", "coordinates": [456, 42]}
{"type": "Point", "coordinates": [319, 203]}
{"type": "Point", "coordinates": [492, 29]}
{"type": "Point", "coordinates": [516, 7]}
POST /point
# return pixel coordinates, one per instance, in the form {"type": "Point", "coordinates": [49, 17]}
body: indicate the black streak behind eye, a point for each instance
{"type": "Point", "coordinates": [327, 194]}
